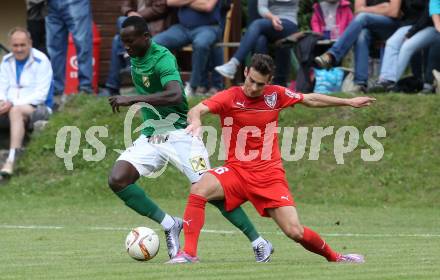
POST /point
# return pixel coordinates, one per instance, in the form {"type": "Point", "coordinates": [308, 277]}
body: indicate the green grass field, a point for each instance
{"type": "Point", "coordinates": [50, 239]}
{"type": "Point", "coordinates": [59, 224]}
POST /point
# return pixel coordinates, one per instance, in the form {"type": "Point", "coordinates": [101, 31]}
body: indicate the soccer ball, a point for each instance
{"type": "Point", "coordinates": [142, 243]}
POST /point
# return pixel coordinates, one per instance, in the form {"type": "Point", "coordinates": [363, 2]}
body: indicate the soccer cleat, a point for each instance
{"type": "Point", "coordinates": [324, 61]}
{"type": "Point", "coordinates": [263, 251]}
{"type": "Point", "coordinates": [227, 70]}
{"type": "Point", "coordinates": [182, 258]}
{"type": "Point", "coordinates": [172, 237]}
{"type": "Point", "coordinates": [350, 258]}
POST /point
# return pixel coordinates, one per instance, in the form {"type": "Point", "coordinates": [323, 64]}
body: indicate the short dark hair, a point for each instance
{"type": "Point", "coordinates": [139, 24]}
{"type": "Point", "coordinates": [262, 63]}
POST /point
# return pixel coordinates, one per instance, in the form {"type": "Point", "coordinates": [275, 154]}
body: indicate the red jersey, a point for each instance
{"type": "Point", "coordinates": [249, 125]}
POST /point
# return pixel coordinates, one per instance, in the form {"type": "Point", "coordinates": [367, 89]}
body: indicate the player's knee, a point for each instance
{"type": "Point", "coordinates": [117, 182]}
{"type": "Point", "coordinates": [204, 189]}
{"type": "Point", "coordinates": [199, 189]}
{"type": "Point", "coordinates": [295, 232]}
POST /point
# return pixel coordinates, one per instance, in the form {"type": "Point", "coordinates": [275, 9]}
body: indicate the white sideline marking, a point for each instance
{"type": "Point", "coordinates": [39, 227]}
{"type": "Point", "coordinates": [30, 227]}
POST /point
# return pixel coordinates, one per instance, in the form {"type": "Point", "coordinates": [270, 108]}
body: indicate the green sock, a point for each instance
{"type": "Point", "coordinates": [239, 219]}
{"type": "Point", "coordinates": [135, 198]}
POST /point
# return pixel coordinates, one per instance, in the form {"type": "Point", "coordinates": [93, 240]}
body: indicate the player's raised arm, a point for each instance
{"type": "Point", "coordinates": [321, 100]}
{"type": "Point", "coordinates": [194, 118]}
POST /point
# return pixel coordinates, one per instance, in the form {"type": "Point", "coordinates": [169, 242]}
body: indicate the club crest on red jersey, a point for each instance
{"type": "Point", "coordinates": [271, 99]}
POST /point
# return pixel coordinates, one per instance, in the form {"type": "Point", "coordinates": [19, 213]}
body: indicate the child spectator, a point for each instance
{"type": "Point", "coordinates": [374, 20]}
{"type": "Point", "coordinates": [329, 20]}
{"type": "Point", "coordinates": [331, 17]}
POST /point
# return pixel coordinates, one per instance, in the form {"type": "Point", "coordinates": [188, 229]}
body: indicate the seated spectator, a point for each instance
{"type": "Point", "coordinates": [279, 21]}
{"type": "Point", "coordinates": [209, 87]}
{"type": "Point", "coordinates": [434, 53]}
{"type": "Point", "coordinates": [158, 16]}
{"type": "Point", "coordinates": [417, 32]}
{"type": "Point", "coordinates": [199, 25]}
{"type": "Point", "coordinates": [374, 20]}
{"type": "Point", "coordinates": [331, 17]}
{"type": "Point", "coordinates": [25, 81]}
{"type": "Point", "coordinates": [434, 11]}
{"type": "Point", "coordinates": [329, 20]}
{"type": "Point", "coordinates": [211, 81]}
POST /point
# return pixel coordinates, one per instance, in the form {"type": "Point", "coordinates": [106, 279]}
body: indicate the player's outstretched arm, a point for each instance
{"type": "Point", "coordinates": [321, 100]}
{"type": "Point", "coordinates": [194, 119]}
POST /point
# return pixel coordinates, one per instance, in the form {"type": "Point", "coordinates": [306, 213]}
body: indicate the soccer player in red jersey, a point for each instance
{"type": "Point", "coordinates": [253, 170]}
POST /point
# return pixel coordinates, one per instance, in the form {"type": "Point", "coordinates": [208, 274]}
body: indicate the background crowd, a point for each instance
{"type": "Point", "coordinates": [400, 33]}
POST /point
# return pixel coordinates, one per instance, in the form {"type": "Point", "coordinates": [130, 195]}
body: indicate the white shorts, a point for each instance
{"type": "Point", "coordinates": [185, 152]}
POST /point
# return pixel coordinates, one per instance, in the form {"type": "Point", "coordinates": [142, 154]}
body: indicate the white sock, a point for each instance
{"type": "Point", "coordinates": [257, 241]}
{"type": "Point", "coordinates": [167, 222]}
{"type": "Point", "coordinates": [11, 156]}
{"type": "Point", "coordinates": [234, 61]}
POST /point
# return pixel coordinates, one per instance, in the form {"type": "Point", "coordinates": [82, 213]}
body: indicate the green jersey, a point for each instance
{"type": "Point", "coordinates": [150, 74]}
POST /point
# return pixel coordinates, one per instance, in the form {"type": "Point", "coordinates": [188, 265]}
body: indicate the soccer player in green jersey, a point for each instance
{"type": "Point", "coordinates": [158, 84]}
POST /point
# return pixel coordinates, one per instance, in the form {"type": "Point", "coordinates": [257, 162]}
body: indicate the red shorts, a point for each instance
{"type": "Point", "coordinates": [241, 185]}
